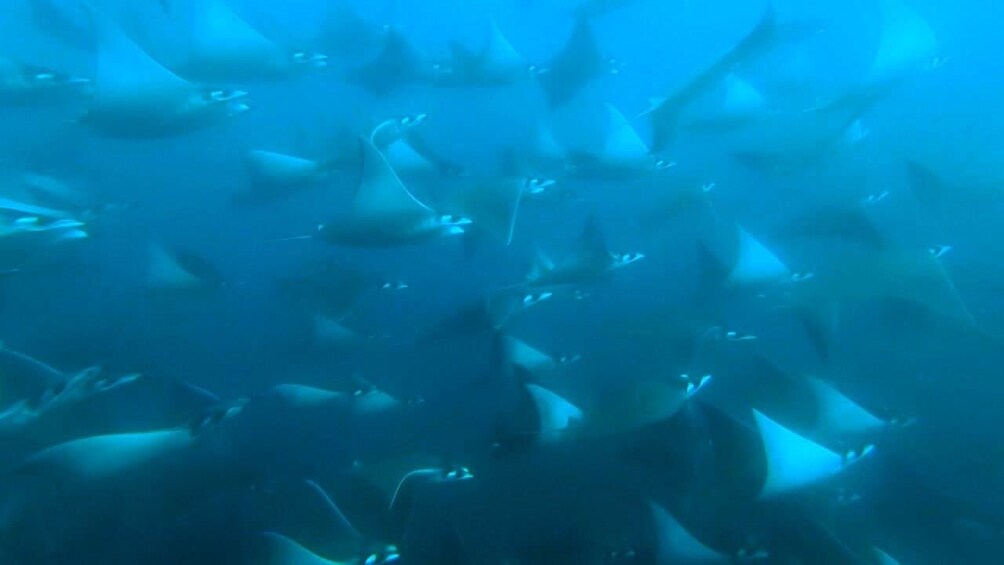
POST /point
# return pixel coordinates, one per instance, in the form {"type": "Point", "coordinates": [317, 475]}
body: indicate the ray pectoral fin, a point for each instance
{"type": "Point", "coordinates": [492, 205]}
{"type": "Point", "coordinates": [122, 66]}
{"type": "Point", "coordinates": [839, 415]}
{"type": "Point", "coordinates": [767, 34]}
{"type": "Point", "coordinates": [381, 193]}
{"type": "Point", "coordinates": [908, 44]}
{"type": "Point", "coordinates": [167, 270]}
{"type": "Point", "coordinates": [345, 527]}
{"type": "Point", "coordinates": [820, 321]}
{"type": "Point", "coordinates": [593, 243]}
{"type": "Point", "coordinates": [795, 462]}
{"type": "Point", "coordinates": [397, 65]}
{"type": "Point", "coordinates": [555, 413]}
{"type": "Point", "coordinates": [422, 149]}
{"type": "Point", "coordinates": [623, 144]}
{"type": "Point", "coordinates": [664, 118]}
{"type": "Point", "coordinates": [277, 549]}
{"type": "Point", "coordinates": [674, 544]}
{"type": "Point", "coordinates": [574, 67]}
{"type": "Point", "coordinates": [755, 263]}
{"type": "Point", "coordinates": [223, 39]}
{"type": "Point", "coordinates": [499, 55]}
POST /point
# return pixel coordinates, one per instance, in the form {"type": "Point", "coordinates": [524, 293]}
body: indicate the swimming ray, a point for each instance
{"type": "Point", "coordinates": [135, 96]}
{"type": "Point", "coordinates": [828, 129]}
{"type": "Point", "coordinates": [846, 222]}
{"type": "Point", "coordinates": [838, 415]}
{"type": "Point", "coordinates": [539, 156]}
{"type": "Point", "coordinates": [278, 549]}
{"type": "Point", "coordinates": [674, 544]}
{"type": "Point", "coordinates": [16, 209]}
{"type": "Point", "coordinates": [373, 401]}
{"type": "Point", "coordinates": [532, 360]}
{"type": "Point", "coordinates": [24, 378]}
{"type": "Point", "coordinates": [544, 148]}
{"type": "Point", "coordinates": [492, 204]}
{"type": "Point", "coordinates": [334, 289]}
{"type": "Point", "coordinates": [397, 66]}
{"type": "Point", "coordinates": [414, 486]}
{"type": "Point", "coordinates": [125, 71]}
{"type": "Point", "coordinates": [409, 162]}
{"type": "Point", "coordinates": [169, 269]}
{"type": "Point", "coordinates": [741, 97]}
{"type": "Point", "coordinates": [665, 112]}
{"type": "Point", "coordinates": [500, 54]}
{"type": "Point", "coordinates": [590, 262]}
{"type": "Point", "coordinates": [22, 84]}
{"type": "Point", "coordinates": [485, 316]}
{"type": "Point", "coordinates": [303, 396]}
{"type": "Point", "coordinates": [345, 33]}
{"type": "Point", "coordinates": [883, 558]}
{"type": "Point", "coordinates": [908, 44]}
{"type": "Point", "coordinates": [642, 402]}
{"type": "Point", "coordinates": [497, 64]}
{"type": "Point", "coordinates": [56, 194]}
{"type": "Point", "coordinates": [577, 64]}
{"type": "Point", "coordinates": [555, 414]}
{"type": "Point", "coordinates": [408, 152]}
{"type": "Point", "coordinates": [795, 462]}
{"type": "Point", "coordinates": [270, 167]}
{"type": "Point", "coordinates": [914, 276]}
{"type": "Point", "coordinates": [226, 48]}
{"type": "Point", "coordinates": [331, 331]}
{"type": "Point", "coordinates": [26, 238]}
{"type": "Point", "coordinates": [384, 212]}
{"type": "Point", "coordinates": [419, 144]}
{"type": "Point", "coordinates": [742, 104]}
{"type": "Point", "coordinates": [381, 194]}
{"type": "Point", "coordinates": [106, 457]}
{"type": "Point", "coordinates": [275, 175]}
{"type": "Point", "coordinates": [623, 151]}
{"type": "Point", "coordinates": [218, 33]}
{"type": "Point", "coordinates": [304, 509]}
{"type": "Point", "coordinates": [395, 129]}
{"type": "Point", "coordinates": [754, 263]}
{"type": "Point", "coordinates": [93, 402]}
{"type": "Point", "coordinates": [342, 521]}
{"type": "Point", "coordinates": [820, 322]}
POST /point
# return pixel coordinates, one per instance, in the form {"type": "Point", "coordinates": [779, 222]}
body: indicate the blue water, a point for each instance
{"type": "Point", "coordinates": [930, 493]}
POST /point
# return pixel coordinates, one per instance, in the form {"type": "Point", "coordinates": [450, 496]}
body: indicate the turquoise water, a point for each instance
{"type": "Point", "coordinates": [600, 281]}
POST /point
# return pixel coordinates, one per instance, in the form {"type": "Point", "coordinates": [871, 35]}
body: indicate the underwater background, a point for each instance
{"type": "Point", "coordinates": [800, 200]}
